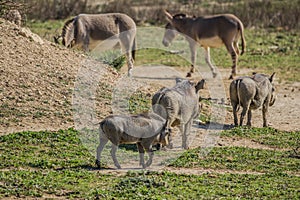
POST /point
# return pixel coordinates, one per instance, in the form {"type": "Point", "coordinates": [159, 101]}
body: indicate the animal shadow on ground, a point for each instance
{"type": "Point", "coordinates": [213, 126]}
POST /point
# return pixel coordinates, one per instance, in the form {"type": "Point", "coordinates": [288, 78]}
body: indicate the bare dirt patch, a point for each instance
{"type": "Point", "coordinates": [37, 82]}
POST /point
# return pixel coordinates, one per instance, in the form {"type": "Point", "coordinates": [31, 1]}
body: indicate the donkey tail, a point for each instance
{"type": "Point", "coordinates": [241, 29]}
{"type": "Point", "coordinates": [133, 49]}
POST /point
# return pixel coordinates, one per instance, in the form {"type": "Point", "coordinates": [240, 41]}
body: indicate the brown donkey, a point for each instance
{"type": "Point", "coordinates": [89, 29]}
{"type": "Point", "coordinates": [209, 31]}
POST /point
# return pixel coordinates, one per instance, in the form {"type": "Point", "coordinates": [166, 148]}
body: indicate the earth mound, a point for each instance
{"type": "Point", "coordinates": [37, 81]}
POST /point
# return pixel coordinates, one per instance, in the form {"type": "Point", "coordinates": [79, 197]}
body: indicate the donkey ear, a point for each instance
{"type": "Point", "coordinates": [168, 15]}
{"type": "Point", "coordinates": [55, 39]}
{"type": "Point", "coordinates": [272, 77]}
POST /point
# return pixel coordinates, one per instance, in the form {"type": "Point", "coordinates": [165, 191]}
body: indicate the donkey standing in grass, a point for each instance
{"type": "Point", "coordinates": [86, 29]}
{"type": "Point", "coordinates": [208, 31]}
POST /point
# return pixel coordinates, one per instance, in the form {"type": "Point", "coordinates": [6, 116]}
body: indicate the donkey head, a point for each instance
{"type": "Point", "coordinates": [68, 33]}
{"type": "Point", "coordinates": [171, 32]}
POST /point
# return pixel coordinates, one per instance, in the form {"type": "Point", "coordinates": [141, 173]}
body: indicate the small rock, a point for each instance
{"type": "Point", "coordinates": [25, 32]}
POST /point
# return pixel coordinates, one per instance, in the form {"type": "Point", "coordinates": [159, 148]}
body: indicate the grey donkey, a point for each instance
{"type": "Point", "coordinates": [179, 105]}
{"type": "Point", "coordinates": [251, 93]}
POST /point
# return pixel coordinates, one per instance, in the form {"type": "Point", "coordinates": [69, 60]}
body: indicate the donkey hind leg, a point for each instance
{"type": "Point", "coordinates": [126, 44]}
{"type": "Point", "coordinates": [103, 141]}
{"type": "Point", "coordinates": [113, 155]}
{"type": "Point", "coordinates": [207, 60]}
{"type": "Point", "coordinates": [170, 135]}
{"type": "Point", "coordinates": [141, 154]}
{"type": "Point", "coordinates": [234, 57]}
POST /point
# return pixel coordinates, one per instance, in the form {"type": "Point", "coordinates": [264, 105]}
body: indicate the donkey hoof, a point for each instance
{"type": "Point", "coordinates": [170, 146]}
{"type": "Point", "coordinates": [129, 73]}
{"type": "Point", "coordinates": [214, 74]}
{"type": "Point", "coordinates": [189, 74]}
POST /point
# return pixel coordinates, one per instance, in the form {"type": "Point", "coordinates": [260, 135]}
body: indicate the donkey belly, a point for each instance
{"type": "Point", "coordinates": [214, 42]}
{"type": "Point", "coordinates": [103, 44]}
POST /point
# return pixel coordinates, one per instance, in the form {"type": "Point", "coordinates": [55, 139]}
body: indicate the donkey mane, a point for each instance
{"type": "Point", "coordinates": [68, 32]}
{"type": "Point", "coordinates": [180, 15]}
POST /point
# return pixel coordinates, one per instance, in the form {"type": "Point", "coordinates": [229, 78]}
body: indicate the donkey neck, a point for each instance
{"type": "Point", "coordinates": [184, 25]}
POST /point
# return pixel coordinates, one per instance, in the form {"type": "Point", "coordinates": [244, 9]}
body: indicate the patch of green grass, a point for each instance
{"type": "Point", "coordinates": [207, 186]}
{"type": "Point", "coordinates": [113, 58]}
{"type": "Point", "coordinates": [160, 57]}
{"type": "Point", "coordinates": [146, 185]}
{"type": "Point", "coordinates": [139, 102]}
{"type": "Point", "coordinates": [70, 183]}
{"type": "Point", "coordinates": [267, 136]}
{"type": "Point", "coordinates": [267, 51]}
{"type": "Point", "coordinates": [240, 159]}
{"type": "Point", "coordinates": [55, 164]}
{"type": "Point", "coordinates": [47, 29]}
{"type": "Point", "coordinates": [46, 150]}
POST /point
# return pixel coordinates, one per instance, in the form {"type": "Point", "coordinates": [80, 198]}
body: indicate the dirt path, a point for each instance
{"type": "Point", "coordinates": [159, 76]}
{"type": "Point", "coordinates": [284, 115]}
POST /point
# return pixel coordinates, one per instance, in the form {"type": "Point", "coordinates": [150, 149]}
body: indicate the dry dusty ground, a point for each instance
{"type": "Point", "coordinates": [37, 89]}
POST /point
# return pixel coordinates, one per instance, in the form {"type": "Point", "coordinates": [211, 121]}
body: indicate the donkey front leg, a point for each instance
{"type": "Point", "coordinates": [193, 49]}
{"type": "Point", "coordinates": [207, 60]}
{"type": "Point", "coordinates": [129, 63]}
